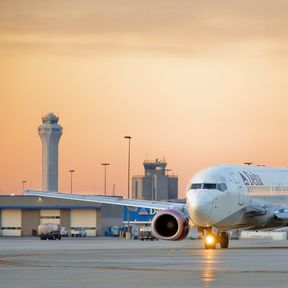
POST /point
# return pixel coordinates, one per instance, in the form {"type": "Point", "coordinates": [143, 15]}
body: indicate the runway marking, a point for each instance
{"type": "Point", "coordinates": [11, 263]}
{"type": "Point", "coordinates": [138, 269]}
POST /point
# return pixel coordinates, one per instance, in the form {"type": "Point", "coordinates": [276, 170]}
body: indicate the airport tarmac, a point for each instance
{"type": "Point", "coordinates": [108, 262]}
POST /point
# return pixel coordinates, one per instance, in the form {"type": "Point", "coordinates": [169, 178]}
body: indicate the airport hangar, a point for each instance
{"type": "Point", "coordinates": [20, 215]}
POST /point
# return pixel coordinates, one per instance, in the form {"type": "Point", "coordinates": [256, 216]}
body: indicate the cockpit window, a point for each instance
{"type": "Point", "coordinates": [222, 187]}
{"type": "Point", "coordinates": [219, 186]}
{"type": "Point", "coordinates": [209, 186]}
{"type": "Point", "coordinates": [196, 186]}
{"type": "Point", "coordinates": [212, 186]}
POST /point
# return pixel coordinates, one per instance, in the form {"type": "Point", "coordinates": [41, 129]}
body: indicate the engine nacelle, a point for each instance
{"type": "Point", "coordinates": [170, 225]}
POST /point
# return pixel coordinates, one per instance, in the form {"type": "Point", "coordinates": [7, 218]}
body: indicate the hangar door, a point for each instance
{"type": "Point", "coordinates": [84, 218]}
{"type": "Point", "coordinates": [11, 222]}
{"type": "Point", "coordinates": [50, 216]}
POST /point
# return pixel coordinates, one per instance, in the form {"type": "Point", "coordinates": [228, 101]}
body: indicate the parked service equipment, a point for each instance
{"type": "Point", "coordinates": [64, 231]}
{"type": "Point", "coordinates": [49, 231]}
{"type": "Point", "coordinates": [78, 232]}
{"type": "Point", "coordinates": [145, 233]}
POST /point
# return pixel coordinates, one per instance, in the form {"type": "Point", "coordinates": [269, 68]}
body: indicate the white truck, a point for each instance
{"type": "Point", "coordinates": [79, 232]}
{"type": "Point", "coordinates": [145, 233]}
{"type": "Point", "coordinates": [49, 231]}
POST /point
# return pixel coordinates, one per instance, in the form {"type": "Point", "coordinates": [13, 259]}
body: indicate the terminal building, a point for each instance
{"type": "Point", "coordinates": [21, 215]}
{"type": "Point", "coordinates": [156, 184]}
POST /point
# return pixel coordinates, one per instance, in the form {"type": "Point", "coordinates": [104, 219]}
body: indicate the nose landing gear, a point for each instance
{"type": "Point", "coordinates": [211, 239]}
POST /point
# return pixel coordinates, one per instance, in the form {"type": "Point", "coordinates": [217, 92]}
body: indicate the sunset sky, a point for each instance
{"type": "Point", "coordinates": [197, 82]}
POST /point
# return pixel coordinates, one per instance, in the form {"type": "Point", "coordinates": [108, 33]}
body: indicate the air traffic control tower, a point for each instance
{"type": "Point", "coordinates": [50, 132]}
{"type": "Point", "coordinates": [155, 184]}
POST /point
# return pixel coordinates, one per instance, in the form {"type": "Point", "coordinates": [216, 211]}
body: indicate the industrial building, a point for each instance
{"type": "Point", "coordinates": [21, 215]}
{"type": "Point", "coordinates": [156, 184]}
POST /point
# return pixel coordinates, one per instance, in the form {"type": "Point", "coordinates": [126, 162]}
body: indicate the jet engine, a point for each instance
{"type": "Point", "coordinates": [170, 225]}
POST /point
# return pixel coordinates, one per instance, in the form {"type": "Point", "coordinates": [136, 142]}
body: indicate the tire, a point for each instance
{"type": "Point", "coordinates": [224, 240]}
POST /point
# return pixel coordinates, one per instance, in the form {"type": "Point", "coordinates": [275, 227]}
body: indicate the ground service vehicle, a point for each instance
{"type": "Point", "coordinates": [49, 231]}
{"type": "Point", "coordinates": [78, 232]}
{"type": "Point", "coordinates": [145, 233]}
{"type": "Point", "coordinates": [64, 231]}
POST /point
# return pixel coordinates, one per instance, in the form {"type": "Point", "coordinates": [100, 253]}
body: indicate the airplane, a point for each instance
{"type": "Point", "coordinates": [218, 199]}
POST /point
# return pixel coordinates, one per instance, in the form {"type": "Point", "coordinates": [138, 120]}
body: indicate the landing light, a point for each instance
{"type": "Point", "coordinates": [210, 240]}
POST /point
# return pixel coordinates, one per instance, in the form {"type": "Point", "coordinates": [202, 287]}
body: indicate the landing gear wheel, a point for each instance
{"type": "Point", "coordinates": [224, 240]}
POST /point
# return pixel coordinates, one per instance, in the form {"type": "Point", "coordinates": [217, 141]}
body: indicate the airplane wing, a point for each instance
{"type": "Point", "coordinates": [108, 200]}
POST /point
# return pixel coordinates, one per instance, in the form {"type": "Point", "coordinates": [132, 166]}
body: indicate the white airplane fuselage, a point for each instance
{"type": "Point", "coordinates": [238, 196]}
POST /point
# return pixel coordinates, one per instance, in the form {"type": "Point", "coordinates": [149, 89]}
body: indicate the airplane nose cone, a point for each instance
{"type": "Point", "coordinates": [200, 207]}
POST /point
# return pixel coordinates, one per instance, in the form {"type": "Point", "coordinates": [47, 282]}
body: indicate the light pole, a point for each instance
{"type": "Point", "coordinates": [128, 223]}
{"type": "Point", "coordinates": [23, 186]}
{"type": "Point", "coordinates": [71, 178]}
{"type": "Point", "coordinates": [113, 190]}
{"type": "Point", "coordinates": [105, 165]}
